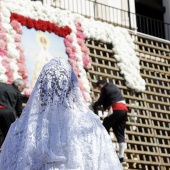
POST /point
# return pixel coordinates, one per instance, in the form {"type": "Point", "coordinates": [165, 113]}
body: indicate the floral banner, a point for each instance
{"type": "Point", "coordinates": [75, 29]}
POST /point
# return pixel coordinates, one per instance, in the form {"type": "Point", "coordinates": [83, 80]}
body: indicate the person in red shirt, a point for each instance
{"type": "Point", "coordinates": [112, 100]}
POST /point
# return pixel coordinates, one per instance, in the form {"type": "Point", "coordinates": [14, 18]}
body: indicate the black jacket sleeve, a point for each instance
{"type": "Point", "coordinates": [18, 106]}
{"type": "Point", "coordinates": [101, 99]}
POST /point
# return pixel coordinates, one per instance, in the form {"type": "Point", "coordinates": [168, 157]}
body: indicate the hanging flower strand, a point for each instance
{"type": "Point", "coordinates": [41, 25]}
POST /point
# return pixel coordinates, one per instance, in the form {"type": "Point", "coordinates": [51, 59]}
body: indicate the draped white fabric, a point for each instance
{"type": "Point", "coordinates": [56, 130]}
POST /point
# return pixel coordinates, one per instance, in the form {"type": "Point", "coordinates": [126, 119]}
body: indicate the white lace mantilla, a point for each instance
{"type": "Point", "coordinates": [56, 130]}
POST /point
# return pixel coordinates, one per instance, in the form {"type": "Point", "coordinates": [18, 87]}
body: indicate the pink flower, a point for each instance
{"type": "Point", "coordinates": [72, 56]}
{"type": "Point", "coordinates": [65, 40]}
{"type": "Point", "coordinates": [9, 74]}
{"type": "Point", "coordinates": [24, 75]}
{"type": "Point", "coordinates": [1, 27]}
{"type": "Point", "coordinates": [84, 49]}
{"type": "Point", "coordinates": [22, 57]}
{"type": "Point", "coordinates": [21, 67]}
{"type": "Point", "coordinates": [17, 38]}
{"type": "Point", "coordinates": [6, 59]}
{"type": "Point", "coordinates": [3, 52]}
{"type": "Point", "coordinates": [20, 47]}
{"type": "Point", "coordinates": [68, 50]}
{"type": "Point", "coordinates": [16, 26]}
{"type": "Point", "coordinates": [2, 36]}
{"type": "Point", "coordinates": [6, 65]}
{"type": "Point", "coordinates": [2, 45]}
{"type": "Point", "coordinates": [88, 66]}
{"type": "Point", "coordinates": [73, 48]}
{"type": "Point", "coordinates": [72, 62]}
{"type": "Point", "coordinates": [67, 43]}
{"type": "Point", "coordinates": [78, 25]}
{"type": "Point", "coordinates": [80, 35]}
{"type": "Point", "coordinates": [80, 42]}
{"type": "Point", "coordinates": [86, 61]}
{"type": "Point", "coordinates": [69, 38]}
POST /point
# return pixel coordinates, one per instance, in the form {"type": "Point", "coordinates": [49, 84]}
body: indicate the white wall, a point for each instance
{"type": "Point", "coordinates": [78, 6]}
{"type": "Point", "coordinates": [133, 12]}
{"type": "Point", "coordinates": [125, 5]}
{"type": "Point", "coordinates": [110, 11]}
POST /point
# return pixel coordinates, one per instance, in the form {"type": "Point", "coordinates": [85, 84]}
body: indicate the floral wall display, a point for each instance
{"type": "Point", "coordinates": [75, 29]}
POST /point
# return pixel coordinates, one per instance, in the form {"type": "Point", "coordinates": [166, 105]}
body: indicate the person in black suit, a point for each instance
{"type": "Point", "coordinates": [10, 104]}
{"type": "Point", "coordinates": [112, 99]}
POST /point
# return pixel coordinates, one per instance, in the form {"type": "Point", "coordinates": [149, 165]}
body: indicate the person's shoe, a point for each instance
{"type": "Point", "coordinates": [122, 160]}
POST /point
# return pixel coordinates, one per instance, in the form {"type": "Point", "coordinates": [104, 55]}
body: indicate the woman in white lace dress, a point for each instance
{"type": "Point", "coordinates": [56, 130]}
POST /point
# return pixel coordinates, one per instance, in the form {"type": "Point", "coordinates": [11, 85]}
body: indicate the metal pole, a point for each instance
{"type": "Point", "coordinates": [129, 14]}
{"type": "Point", "coordinates": [95, 8]}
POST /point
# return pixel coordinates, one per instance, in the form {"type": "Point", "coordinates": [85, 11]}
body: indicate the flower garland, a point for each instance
{"type": "Point", "coordinates": [5, 75]}
{"type": "Point", "coordinates": [75, 54]}
{"type": "Point", "coordinates": [22, 70]}
{"type": "Point", "coordinates": [81, 41]}
{"type": "Point", "coordinates": [84, 63]}
{"type": "Point", "coordinates": [41, 25]}
{"type": "Point", "coordinates": [123, 47]}
{"type": "Point", "coordinates": [71, 51]}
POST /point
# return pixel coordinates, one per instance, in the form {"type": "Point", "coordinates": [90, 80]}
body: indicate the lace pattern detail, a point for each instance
{"type": "Point", "coordinates": [56, 130]}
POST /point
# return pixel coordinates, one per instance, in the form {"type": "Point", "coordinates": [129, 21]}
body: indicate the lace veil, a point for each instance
{"type": "Point", "coordinates": [56, 129]}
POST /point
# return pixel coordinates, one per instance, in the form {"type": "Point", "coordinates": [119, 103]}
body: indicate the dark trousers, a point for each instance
{"type": "Point", "coordinates": [117, 121]}
{"type": "Point", "coordinates": [6, 119]}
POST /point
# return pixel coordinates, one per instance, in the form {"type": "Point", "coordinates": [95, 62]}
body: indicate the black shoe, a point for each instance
{"type": "Point", "coordinates": [122, 160]}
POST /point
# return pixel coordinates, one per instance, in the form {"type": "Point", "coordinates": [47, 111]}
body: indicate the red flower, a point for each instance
{"type": "Point", "coordinates": [38, 25]}
{"type": "Point", "coordinates": [22, 20]}
{"type": "Point", "coordinates": [68, 29]}
{"type": "Point", "coordinates": [30, 23]}
{"type": "Point", "coordinates": [56, 30]}
{"type": "Point", "coordinates": [41, 25]}
{"type": "Point", "coordinates": [50, 26]}
{"type": "Point", "coordinates": [14, 16]}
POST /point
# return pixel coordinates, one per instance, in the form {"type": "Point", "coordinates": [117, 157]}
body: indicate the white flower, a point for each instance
{"type": "Point", "coordinates": [5, 12]}
{"type": "Point", "coordinates": [12, 52]}
{"type": "Point", "coordinates": [5, 19]}
{"type": "Point", "coordinates": [7, 27]}
{"type": "Point", "coordinates": [10, 40]}
{"type": "Point", "coordinates": [2, 69]}
{"type": "Point", "coordinates": [16, 75]}
{"type": "Point", "coordinates": [3, 78]}
{"type": "Point", "coordinates": [14, 66]}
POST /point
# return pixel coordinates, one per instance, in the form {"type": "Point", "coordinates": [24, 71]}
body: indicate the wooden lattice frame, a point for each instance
{"type": "Point", "coordinates": [148, 126]}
